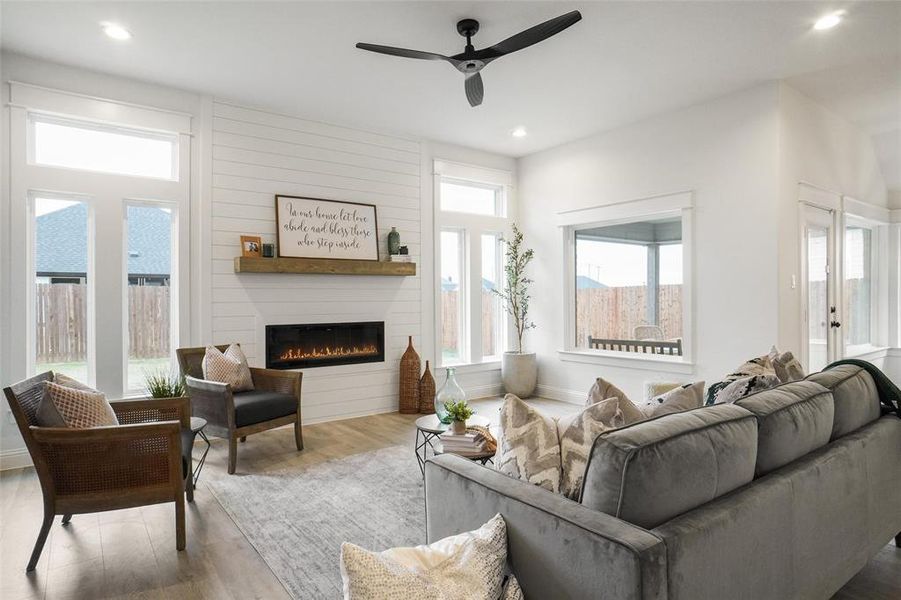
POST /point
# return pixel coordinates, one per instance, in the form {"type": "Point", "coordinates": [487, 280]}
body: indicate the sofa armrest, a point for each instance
{"type": "Point", "coordinates": [212, 401]}
{"type": "Point", "coordinates": [153, 410]}
{"type": "Point", "coordinates": [557, 548]}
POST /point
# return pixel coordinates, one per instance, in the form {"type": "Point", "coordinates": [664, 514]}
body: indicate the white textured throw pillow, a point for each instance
{"type": "Point", "coordinates": [548, 452]}
{"type": "Point", "coordinates": [468, 565]}
{"type": "Point", "coordinates": [603, 389]}
{"type": "Point", "coordinates": [690, 395]}
{"type": "Point", "coordinates": [231, 367]}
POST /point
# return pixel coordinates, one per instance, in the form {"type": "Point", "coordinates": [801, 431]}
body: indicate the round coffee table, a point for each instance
{"type": "Point", "coordinates": [428, 430]}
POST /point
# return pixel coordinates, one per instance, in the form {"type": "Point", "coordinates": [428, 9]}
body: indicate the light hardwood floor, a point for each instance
{"type": "Point", "coordinates": [131, 553]}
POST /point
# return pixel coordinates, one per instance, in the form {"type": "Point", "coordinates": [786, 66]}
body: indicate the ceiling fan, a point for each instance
{"type": "Point", "coordinates": [471, 61]}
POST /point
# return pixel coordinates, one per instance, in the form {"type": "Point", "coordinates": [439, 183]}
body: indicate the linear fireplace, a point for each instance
{"type": "Point", "coordinates": [323, 344]}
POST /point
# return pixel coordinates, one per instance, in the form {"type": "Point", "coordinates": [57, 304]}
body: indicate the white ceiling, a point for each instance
{"type": "Point", "coordinates": [623, 62]}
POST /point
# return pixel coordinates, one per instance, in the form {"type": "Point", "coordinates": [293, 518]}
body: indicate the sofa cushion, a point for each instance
{"type": "Point", "coordinates": [854, 395]}
{"type": "Point", "coordinates": [649, 472]}
{"type": "Point", "coordinates": [792, 420]}
{"type": "Point", "coordinates": [258, 406]}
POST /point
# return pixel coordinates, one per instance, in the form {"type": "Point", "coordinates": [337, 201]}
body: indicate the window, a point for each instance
{"type": "Point", "coordinates": [629, 287]}
{"type": "Point", "coordinates": [95, 266]}
{"type": "Point", "coordinates": [148, 290]}
{"type": "Point", "coordinates": [89, 147]}
{"type": "Point", "coordinates": [862, 295]}
{"type": "Point", "coordinates": [471, 222]}
{"type": "Point", "coordinates": [61, 276]}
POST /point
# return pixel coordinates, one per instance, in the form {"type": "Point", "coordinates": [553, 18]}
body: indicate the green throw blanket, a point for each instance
{"type": "Point", "coordinates": [889, 394]}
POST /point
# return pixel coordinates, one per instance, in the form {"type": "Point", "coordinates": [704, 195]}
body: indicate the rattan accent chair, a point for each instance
{"type": "Point", "coordinates": [137, 463]}
{"type": "Point", "coordinates": [274, 402]}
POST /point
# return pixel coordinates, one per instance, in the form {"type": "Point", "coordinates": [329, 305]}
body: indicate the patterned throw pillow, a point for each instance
{"type": "Point", "coordinates": [746, 386]}
{"type": "Point", "coordinates": [577, 433]}
{"type": "Point", "coordinates": [512, 591]}
{"type": "Point", "coordinates": [551, 453]}
{"type": "Point", "coordinates": [230, 367]}
{"type": "Point", "coordinates": [603, 389]}
{"type": "Point", "coordinates": [528, 447]}
{"type": "Point", "coordinates": [70, 407]}
{"type": "Point", "coordinates": [788, 368]}
{"type": "Point", "coordinates": [761, 365]}
{"type": "Point", "coordinates": [685, 397]}
{"type": "Point", "coordinates": [468, 565]}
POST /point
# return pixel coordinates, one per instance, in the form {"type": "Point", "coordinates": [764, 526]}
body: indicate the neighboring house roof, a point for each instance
{"type": "Point", "coordinates": [62, 241]}
{"type": "Point", "coordinates": [587, 283]}
{"type": "Point", "coordinates": [451, 286]}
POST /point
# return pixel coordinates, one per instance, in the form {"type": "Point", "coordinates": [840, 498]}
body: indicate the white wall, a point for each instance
{"type": "Point", "coordinates": [820, 148]}
{"type": "Point", "coordinates": [724, 152]}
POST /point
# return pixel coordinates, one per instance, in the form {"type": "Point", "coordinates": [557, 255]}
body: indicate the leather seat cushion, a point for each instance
{"type": "Point", "coordinates": [259, 405]}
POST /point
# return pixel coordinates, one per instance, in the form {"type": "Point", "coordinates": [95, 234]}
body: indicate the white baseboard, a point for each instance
{"type": "Point", "coordinates": [561, 394]}
{"type": "Point", "coordinates": [16, 458]}
{"type": "Point", "coordinates": [479, 392]}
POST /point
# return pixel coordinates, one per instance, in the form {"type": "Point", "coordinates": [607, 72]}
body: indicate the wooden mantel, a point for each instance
{"type": "Point", "coordinates": [323, 266]}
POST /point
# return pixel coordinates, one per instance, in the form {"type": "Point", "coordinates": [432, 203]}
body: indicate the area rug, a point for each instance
{"type": "Point", "coordinates": [297, 519]}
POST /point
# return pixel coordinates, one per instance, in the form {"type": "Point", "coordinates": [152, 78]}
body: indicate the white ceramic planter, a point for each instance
{"type": "Point", "coordinates": [519, 373]}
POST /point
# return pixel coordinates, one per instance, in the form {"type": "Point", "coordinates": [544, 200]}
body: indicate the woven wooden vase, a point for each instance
{"type": "Point", "coordinates": [427, 392]}
{"type": "Point", "coordinates": [408, 403]}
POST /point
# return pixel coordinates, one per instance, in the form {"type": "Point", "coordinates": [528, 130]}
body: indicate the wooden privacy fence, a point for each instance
{"type": "Point", "coordinates": [61, 322]}
{"type": "Point", "coordinates": [450, 321]}
{"type": "Point", "coordinates": [614, 312]}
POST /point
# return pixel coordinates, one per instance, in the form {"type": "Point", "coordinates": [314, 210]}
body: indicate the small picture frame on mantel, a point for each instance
{"type": "Point", "coordinates": [251, 246]}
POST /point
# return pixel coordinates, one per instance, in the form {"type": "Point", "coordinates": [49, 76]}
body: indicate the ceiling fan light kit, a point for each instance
{"type": "Point", "coordinates": [471, 61]}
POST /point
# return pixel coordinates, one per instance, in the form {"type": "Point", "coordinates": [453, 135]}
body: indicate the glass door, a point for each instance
{"type": "Point", "coordinates": [819, 308]}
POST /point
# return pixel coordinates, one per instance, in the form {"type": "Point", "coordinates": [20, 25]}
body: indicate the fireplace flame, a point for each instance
{"type": "Point", "coordinates": [328, 352]}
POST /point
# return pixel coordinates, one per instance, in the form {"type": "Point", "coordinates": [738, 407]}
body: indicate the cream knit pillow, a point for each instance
{"type": "Point", "coordinates": [230, 368]}
{"type": "Point", "coordinates": [468, 565]}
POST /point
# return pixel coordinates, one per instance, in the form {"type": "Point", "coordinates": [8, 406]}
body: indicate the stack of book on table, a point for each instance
{"type": "Point", "coordinates": [471, 443]}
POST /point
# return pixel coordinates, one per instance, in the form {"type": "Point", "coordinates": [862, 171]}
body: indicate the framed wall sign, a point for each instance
{"type": "Point", "coordinates": [316, 228]}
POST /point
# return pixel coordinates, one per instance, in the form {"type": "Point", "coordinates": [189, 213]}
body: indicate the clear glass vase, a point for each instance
{"type": "Point", "coordinates": [449, 392]}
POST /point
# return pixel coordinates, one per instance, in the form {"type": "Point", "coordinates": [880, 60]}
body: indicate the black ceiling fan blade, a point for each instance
{"type": "Point", "coordinates": [530, 36]}
{"type": "Point", "coordinates": [404, 52]}
{"type": "Point", "coordinates": [475, 91]}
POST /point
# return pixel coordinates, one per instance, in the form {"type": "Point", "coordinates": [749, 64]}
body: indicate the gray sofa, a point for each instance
{"type": "Point", "coordinates": [785, 494]}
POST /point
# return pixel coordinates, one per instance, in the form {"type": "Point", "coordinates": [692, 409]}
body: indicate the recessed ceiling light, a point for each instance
{"type": "Point", "coordinates": [829, 21]}
{"type": "Point", "coordinates": [519, 132]}
{"type": "Point", "coordinates": [117, 32]}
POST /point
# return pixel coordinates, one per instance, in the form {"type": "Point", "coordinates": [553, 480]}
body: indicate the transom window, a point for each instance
{"type": "Point", "coordinates": [92, 147]}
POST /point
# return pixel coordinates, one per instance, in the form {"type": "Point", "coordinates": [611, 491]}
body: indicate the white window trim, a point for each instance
{"type": "Point", "coordinates": [473, 226]}
{"type": "Point", "coordinates": [678, 204]}
{"type": "Point", "coordinates": [27, 179]}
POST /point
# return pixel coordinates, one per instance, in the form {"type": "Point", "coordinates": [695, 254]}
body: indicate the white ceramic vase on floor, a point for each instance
{"type": "Point", "coordinates": [519, 373]}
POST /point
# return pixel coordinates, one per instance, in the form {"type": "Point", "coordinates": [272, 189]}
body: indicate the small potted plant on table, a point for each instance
{"type": "Point", "coordinates": [458, 413]}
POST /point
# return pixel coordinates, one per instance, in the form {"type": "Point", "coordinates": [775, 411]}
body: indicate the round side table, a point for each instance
{"type": "Point", "coordinates": [428, 430]}
{"type": "Point", "coordinates": [197, 425]}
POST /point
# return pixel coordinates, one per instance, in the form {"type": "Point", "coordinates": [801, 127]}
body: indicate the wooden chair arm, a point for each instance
{"type": "Point", "coordinates": [153, 410]}
{"type": "Point", "coordinates": [274, 380]}
{"type": "Point", "coordinates": [211, 400]}
{"type": "Point", "coordinates": [118, 459]}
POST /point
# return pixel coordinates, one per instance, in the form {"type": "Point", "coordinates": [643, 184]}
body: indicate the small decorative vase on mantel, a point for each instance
{"type": "Point", "coordinates": [393, 241]}
{"type": "Point", "coordinates": [408, 392]}
{"type": "Point", "coordinates": [427, 392]}
{"type": "Point", "coordinates": [449, 392]}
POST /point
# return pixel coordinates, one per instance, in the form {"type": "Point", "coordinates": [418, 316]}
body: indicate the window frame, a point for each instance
{"type": "Point", "coordinates": [473, 226]}
{"type": "Point", "coordinates": [657, 207]}
{"type": "Point", "coordinates": [879, 289]}
{"type": "Point", "coordinates": [35, 117]}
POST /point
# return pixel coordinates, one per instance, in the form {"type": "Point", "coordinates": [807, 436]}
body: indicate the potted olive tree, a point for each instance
{"type": "Point", "coordinates": [519, 370]}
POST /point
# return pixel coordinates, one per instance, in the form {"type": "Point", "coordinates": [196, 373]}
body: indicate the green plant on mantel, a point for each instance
{"type": "Point", "coordinates": [458, 411]}
{"type": "Point", "coordinates": [515, 294]}
{"type": "Point", "coordinates": [162, 384]}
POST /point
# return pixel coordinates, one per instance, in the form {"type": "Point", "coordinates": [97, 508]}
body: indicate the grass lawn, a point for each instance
{"type": "Point", "coordinates": [137, 367]}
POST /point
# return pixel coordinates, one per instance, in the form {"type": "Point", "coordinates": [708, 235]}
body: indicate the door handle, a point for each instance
{"type": "Point", "coordinates": [835, 324]}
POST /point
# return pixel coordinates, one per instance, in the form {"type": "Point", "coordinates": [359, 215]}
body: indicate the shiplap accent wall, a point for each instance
{"type": "Point", "coordinates": [256, 154]}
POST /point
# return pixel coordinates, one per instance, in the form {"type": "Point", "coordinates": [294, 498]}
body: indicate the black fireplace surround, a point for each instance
{"type": "Point", "coordinates": [323, 344]}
